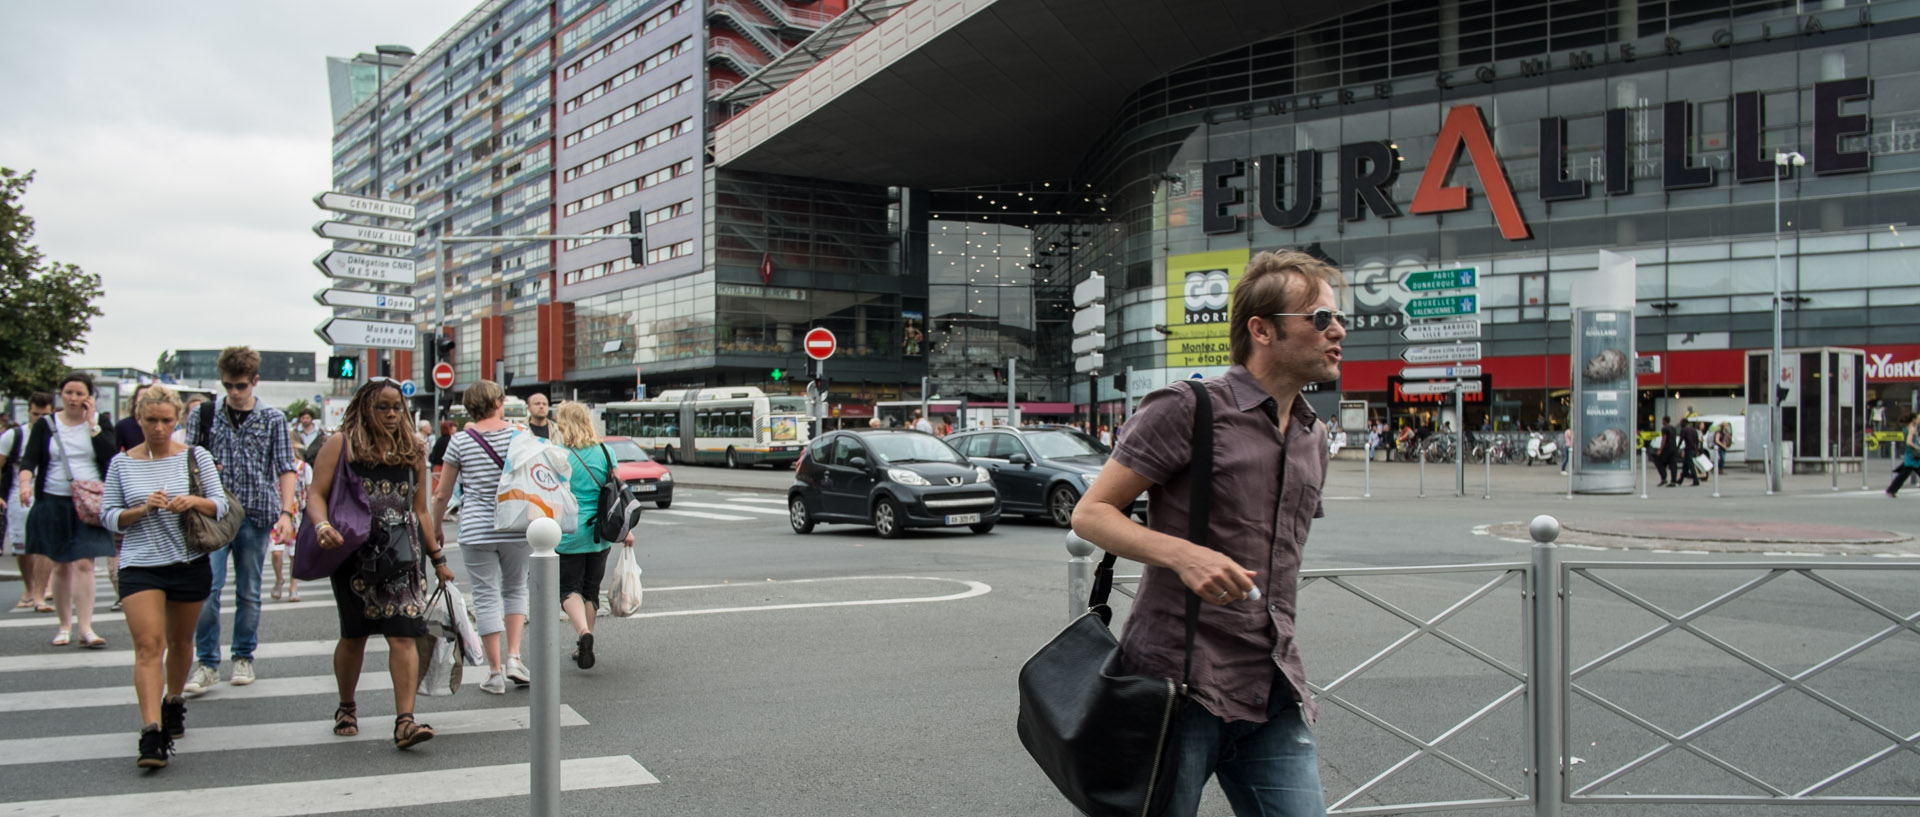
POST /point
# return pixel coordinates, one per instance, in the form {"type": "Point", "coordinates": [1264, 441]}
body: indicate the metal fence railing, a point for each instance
{"type": "Point", "coordinates": [1554, 685]}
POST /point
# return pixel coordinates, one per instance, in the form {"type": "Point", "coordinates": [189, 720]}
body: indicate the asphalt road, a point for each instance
{"type": "Point", "coordinates": [839, 673]}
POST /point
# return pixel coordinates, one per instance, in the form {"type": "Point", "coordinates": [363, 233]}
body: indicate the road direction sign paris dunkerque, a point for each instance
{"type": "Point", "coordinates": [1444, 306]}
{"type": "Point", "coordinates": [1433, 279]}
{"type": "Point", "coordinates": [1442, 330]}
{"type": "Point", "coordinates": [1442, 353]}
{"type": "Point", "coordinates": [385, 269]}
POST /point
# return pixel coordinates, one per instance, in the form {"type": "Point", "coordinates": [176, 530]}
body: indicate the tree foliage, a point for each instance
{"type": "Point", "coordinates": [46, 307]}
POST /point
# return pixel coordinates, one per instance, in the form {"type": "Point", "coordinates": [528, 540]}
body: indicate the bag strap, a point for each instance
{"type": "Point", "coordinates": [54, 425]}
{"type": "Point", "coordinates": [491, 454]}
{"type": "Point", "coordinates": [193, 472]}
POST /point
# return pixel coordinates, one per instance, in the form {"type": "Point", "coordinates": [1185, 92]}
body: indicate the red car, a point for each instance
{"type": "Point", "coordinates": [648, 479]}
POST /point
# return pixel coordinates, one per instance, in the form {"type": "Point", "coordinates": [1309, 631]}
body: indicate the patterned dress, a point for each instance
{"type": "Point", "coordinates": [374, 595]}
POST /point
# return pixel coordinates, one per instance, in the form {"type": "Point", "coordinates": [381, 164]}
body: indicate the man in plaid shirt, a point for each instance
{"type": "Point", "coordinates": [249, 441]}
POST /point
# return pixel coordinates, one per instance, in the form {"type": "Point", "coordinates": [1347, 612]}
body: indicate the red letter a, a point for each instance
{"type": "Point", "coordinates": [1464, 126]}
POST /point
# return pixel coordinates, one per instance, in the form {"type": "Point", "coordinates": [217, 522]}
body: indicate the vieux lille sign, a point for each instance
{"type": "Point", "coordinates": [1368, 169]}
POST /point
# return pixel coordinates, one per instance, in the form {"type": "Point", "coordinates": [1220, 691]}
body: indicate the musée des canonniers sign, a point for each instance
{"type": "Point", "coordinates": [1368, 169]}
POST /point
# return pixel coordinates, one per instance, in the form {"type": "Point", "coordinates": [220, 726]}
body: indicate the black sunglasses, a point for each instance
{"type": "Point", "coordinates": [1322, 318]}
{"type": "Point", "coordinates": [243, 386]}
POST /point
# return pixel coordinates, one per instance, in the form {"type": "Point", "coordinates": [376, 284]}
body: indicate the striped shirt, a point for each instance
{"type": "Point", "coordinates": [480, 486]}
{"type": "Point", "coordinates": [155, 540]}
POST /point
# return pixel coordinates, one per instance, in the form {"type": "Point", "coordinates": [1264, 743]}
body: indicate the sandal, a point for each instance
{"type": "Point", "coordinates": [277, 585]}
{"type": "Point", "coordinates": [23, 604]}
{"type": "Point", "coordinates": [42, 607]}
{"type": "Point", "coordinates": [293, 596]}
{"type": "Point", "coordinates": [407, 733]}
{"type": "Point", "coordinates": [92, 641]}
{"type": "Point", "coordinates": [61, 639]}
{"type": "Point", "coordinates": [345, 723]}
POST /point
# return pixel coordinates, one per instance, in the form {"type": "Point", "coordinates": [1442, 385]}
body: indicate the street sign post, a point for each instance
{"type": "Point", "coordinates": [1441, 387]}
{"type": "Point", "coordinates": [443, 375]}
{"type": "Point", "coordinates": [364, 300]}
{"type": "Point", "coordinates": [385, 269]}
{"type": "Point", "coordinates": [372, 334]}
{"type": "Point", "coordinates": [819, 343]}
{"type": "Point", "coordinates": [1443, 306]}
{"type": "Point", "coordinates": [1441, 353]}
{"type": "Point", "coordinates": [1090, 289]}
{"type": "Point", "coordinates": [1436, 279]}
{"type": "Point", "coordinates": [343, 203]}
{"type": "Point", "coordinates": [1433, 372]}
{"type": "Point", "coordinates": [1442, 330]}
{"type": "Point", "coordinates": [360, 232]}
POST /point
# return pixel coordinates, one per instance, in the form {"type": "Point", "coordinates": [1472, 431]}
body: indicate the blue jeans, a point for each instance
{"type": "Point", "coordinates": [249, 551]}
{"type": "Point", "coordinates": [1266, 769]}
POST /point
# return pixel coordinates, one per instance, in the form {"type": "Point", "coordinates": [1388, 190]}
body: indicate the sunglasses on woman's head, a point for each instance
{"type": "Point", "coordinates": [1322, 318]}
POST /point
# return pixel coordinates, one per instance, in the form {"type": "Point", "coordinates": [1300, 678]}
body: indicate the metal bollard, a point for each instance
{"type": "Point", "coordinates": [1646, 464]}
{"type": "Point", "coordinates": [1079, 574]}
{"type": "Point", "coordinates": [1543, 687]}
{"type": "Point", "coordinates": [1489, 485]}
{"type": "Point", "coordinates": [1767, 451]}
{"type": "Point", "coordinates": [1717, 468]}
{"type": "Point", "coordinates": [1366, 492]}
{"type": "Point", "coordinates": [543, 584]}
{"type": "Point", "coordinates": [1866, 457]}
{"type": "Point", "coordinates": [1833, 465]}
{"type": "Point", "coordinates": [1423, 472]}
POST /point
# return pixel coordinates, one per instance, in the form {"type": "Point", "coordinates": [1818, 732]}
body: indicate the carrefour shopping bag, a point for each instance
{"type": "Point", "coordinates": [535, 484]}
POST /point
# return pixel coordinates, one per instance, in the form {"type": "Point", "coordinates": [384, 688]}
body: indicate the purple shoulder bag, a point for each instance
{"type": "Point", "coordinates": [348, 512]}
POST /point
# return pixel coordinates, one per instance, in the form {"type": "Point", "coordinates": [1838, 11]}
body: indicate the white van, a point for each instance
{"type": "Point", "coordinates": [1736, 422]}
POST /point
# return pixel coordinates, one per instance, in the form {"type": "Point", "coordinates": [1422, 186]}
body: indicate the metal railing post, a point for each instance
{"type": "Point", "coordinates": [1717, 468]}
{"type": "Point", "coordinates": [1543, 681]}
{"type": "Point", "coordinates": [543, 583]}
{"type": "Point", "coordinates": [1423, 472]}
{"type": "Point", "coordinates": [1366, 492]}
{"type": "Point", "coordinates": [1766, 449]}
{"type": "Point", "coordinates": [1646, 462]}
{"type": "Point", "coordinates": [1488, 493]}
{"type": "Point", "coordinates": [1833, 465]}
{"type": "Point", "coordinates": [1866, 455]}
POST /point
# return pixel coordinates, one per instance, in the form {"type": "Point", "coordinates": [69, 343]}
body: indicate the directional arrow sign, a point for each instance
{"type": "Point", "coordinates": [1444, 306]}
{"type": "Point", "coordinates": [1089, 362]}
{"type": "Point", "coordinates": [1427, 280]}
{"type": "Point", "coordinates": [364, 300]}
{"type": "Point", "coordinates": [1443, 330]}
{"type": "Point", "coordinates": [344, 203]}
{"type": "Point", "coordinates": [360, 232]}
{"type": "Point", "coordinates": [1467, 387]}
{"type": "Point", "coordinates": [1089, 319]}
{"type": "Point", "coordinates": [374, 334]}
{"type": "Point", "coordinates": [1442, 353]}
{"type": "Point", "coordinates": [1092, 342]}
{"type": "Point", "coordinates": [386, 269]}
{"type": "Point", "coordinates": [1431, 372]}
{"type": "Point", "coordinates": [1090, 289]}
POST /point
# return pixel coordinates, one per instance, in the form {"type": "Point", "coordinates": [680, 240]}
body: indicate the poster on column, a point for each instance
{"type": "Point", "coordinates": [1199, 290]}
{"type": "Point", "coordinates": [1604, 400]}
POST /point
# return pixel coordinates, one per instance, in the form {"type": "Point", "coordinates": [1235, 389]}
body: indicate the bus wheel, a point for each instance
{"type": "Point", "coordinates": [732, 461]}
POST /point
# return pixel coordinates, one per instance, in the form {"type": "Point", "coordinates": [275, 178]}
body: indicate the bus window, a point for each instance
{"type": "Point", "coordinates": [703, 424]}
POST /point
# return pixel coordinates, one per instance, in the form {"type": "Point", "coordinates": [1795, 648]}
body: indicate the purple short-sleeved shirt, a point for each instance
{"type": "Point", "coordinates": [1266, 490]}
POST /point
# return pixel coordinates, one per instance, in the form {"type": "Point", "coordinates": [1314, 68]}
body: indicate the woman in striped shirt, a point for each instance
{"type": "Point", "coordinates": [162, 581]}
{"type": "Point", "coordinates": [496, 560]}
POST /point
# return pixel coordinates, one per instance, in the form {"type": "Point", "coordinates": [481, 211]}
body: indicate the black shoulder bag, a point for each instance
{"type": "Point", "coordinates": [1102, 737]}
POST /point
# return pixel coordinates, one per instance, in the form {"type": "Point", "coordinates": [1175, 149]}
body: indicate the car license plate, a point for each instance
{"type": "Point", "coordinates": [644, 487]}
{"type": "Point", "coordinates": [963, 518]}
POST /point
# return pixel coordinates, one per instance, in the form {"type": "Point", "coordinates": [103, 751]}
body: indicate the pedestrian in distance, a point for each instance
{"type": "Point", "coordinates": [1689, 448]}
{"type": "Point", "coordinates": [279, 550]}
{"type": "Point", "coordinates": [66, 457]}
{"type": "Point", "coordinates": [251, 442]}
{"type": "Point", "coordinates": [1665, 451]}
{"type": "Point", "coordinates": [1910, 460]}
{"type": "Point", "coordinates": [35, 569]}
{"type": "Point", "coordinates": [193, 402]}
{"type": "Point", "coordinates": [306, 431]}
{"type": "Point", "coordinates": [496, 560]}
{"type": "Point", "coordinates": [539, 412]}
{"type": "Point", "coordinates": [583, 556]}
{"type": "Point", "coordinates": [162, 582]}
{"type": "Point", "coordinates": [921, 423]}
{"type": "Point", "coordinates": [1246, 716]}
{"type": "Point", "coordinates": [381, 588]}
{"type": "Point", "coordinates": [1722, 443]}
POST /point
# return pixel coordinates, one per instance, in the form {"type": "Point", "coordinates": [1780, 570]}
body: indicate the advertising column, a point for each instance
{"type": "Point", "coordinates": [1603, 387]}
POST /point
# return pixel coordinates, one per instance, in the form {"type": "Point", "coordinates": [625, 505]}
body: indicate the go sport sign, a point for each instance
{"type": "Point", "coordinates": [1367, 170]}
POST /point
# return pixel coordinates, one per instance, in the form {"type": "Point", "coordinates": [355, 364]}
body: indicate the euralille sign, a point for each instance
{"type": "Point", "coordinates": [1368, 170]}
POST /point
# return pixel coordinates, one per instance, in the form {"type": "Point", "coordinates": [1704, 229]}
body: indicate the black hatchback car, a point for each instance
{"type": "Point", "coordinates": [892, 479]}
{"type": "Point", "coordinates": [1040, 470]}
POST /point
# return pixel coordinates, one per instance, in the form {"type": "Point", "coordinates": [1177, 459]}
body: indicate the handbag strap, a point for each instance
{"type": "Point", "coordinates": [53, 424]}
{"type": "Point", "coordinates": [495, 456]}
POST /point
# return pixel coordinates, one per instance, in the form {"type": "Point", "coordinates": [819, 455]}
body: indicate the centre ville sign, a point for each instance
{"type": "Point", "coordinates": [1367, 170]}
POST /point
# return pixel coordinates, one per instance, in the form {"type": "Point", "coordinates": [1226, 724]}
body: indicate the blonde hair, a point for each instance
{"type": "Point", "coordinates": [483, 398]}
{"type": "Point", "coordinates": [159, 395]}
{"type": "Point", "coordinates": [574, 426]}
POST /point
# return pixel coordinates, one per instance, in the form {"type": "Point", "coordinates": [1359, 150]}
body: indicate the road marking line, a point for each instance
{"type": "Point", "coordinates": [730, 507]}
{"type": "Point", "coordinates": [373, 793]}
{"type": "Point", "coordinates": [47, 619]}
{"type": "Point", "coordinates": [645, 521]}
{"type": "Point", "coordinates": [770, 500]}
{"type": "Point", "coordinates": [209, 739]}
{"type": "Point", "coordinates": [374, 679]}
{"type": "Point", "coordinates": [101, 659]}
{"type": "Point", "coordinates": [973, 589]}
{"type": "Point", "coordinates": [719, 517]}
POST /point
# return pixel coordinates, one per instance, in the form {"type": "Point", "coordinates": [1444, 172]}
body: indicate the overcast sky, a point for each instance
{"type": "Point", "coordinates": [178, 146]}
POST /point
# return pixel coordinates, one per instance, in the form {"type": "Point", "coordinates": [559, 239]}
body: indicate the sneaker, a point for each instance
{"type": "Point", "coordinates": [115, 607]}
{"type": "Point", "coordinates": [496, 683]}
{"type": "Point", "coordinates": [202, 679]}
{"type": "Point", "coordinates": [517, 672]}
{"type": "Point", "coordinates": [173, 717]}
{"type": "Point", "coordinates": [154, 748]}
{"type": "Point", "coordinates": [242, 672]}
{"type": "Point", "coordinates": [583, 651]}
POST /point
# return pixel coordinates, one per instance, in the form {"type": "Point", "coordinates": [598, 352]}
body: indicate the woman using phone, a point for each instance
{"type": "Point", "coordinates": [66, 456]}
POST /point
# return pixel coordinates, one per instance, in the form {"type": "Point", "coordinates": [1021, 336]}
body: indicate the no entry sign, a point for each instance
{"type": "Point", "coordinates": [443, 375]}
{"type": "Point", "coordinates": [819, 343]}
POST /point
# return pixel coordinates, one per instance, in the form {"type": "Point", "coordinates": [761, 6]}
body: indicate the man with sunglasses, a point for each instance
{"type": "Point", "coordinates": [250, 442]}
{"type": "Point", "coordinates": [1246, 712]}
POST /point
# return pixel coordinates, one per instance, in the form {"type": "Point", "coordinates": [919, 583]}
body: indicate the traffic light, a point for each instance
{"type": "Point", "coordinates": [442, 347]}
{"type": "Point", "coordinates": [343, 367]}
{"type": "Point", "coordinates": [1120, 382]}
{"type": "Point", "coordinates": [1000, 375]}
{"type": "Point", "coordinates": [777, 374]}
{"type": "Point", "coordinates": [636, 225]}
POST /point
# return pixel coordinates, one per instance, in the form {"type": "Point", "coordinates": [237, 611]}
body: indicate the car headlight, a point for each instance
{"type": "Point", "coordinates": [1088, 479]}
{"type": "Point", "coordinates": [666, 476]}
{"type": "Point", "coordinates": [906, 477]}
{"type": "Point", "coordinates": [980, 474]}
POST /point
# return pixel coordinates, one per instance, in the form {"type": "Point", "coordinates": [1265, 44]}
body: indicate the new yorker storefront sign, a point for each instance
{"type": "Point", "coordinates": [1368, 170]}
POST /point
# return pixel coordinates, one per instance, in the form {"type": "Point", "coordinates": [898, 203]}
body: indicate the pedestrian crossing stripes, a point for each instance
{"type": "Point", "coordinates": [733, 507]}
{"type": "Point", "coordinates": [208, 739]}
{"type": "Point", "coordinates": [267, 687]}
{"type": "Point", "coordinates": [377, 792]}
{"type": "Point", "coordinates": [101, 659]}
{"type": "Point", "coordinates": [49, 620]}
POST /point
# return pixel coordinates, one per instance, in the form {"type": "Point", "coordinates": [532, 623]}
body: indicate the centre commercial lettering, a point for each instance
{"type": "Point", "coordinates": [1367, 170]}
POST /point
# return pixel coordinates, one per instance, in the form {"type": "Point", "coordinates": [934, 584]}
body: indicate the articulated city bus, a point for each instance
{"type": "Point", "coordinates": [731, 426]}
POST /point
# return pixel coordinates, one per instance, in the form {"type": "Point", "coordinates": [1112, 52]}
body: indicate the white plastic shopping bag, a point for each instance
{"type": "Point", "coordinates": [534, 484]}
{"type": "Point", "coordinates": [469, 635]}
{"type": "Point", "coordinates": [623, 583]}
{"type": "Point", "coordinates": [440, 669]}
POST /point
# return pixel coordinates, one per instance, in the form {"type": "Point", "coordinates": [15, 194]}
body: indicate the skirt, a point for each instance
{"type": "Point", "coordinates": [57, 532]}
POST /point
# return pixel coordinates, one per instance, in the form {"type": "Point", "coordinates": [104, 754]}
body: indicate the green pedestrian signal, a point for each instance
{"type": "Point", "coordinates": [777, 374]}
{"type": "Point", "coordinates": [342, 367]}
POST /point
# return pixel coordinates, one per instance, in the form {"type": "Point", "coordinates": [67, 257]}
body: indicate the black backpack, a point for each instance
{"type": "Point", "coordinates": [618, 510]}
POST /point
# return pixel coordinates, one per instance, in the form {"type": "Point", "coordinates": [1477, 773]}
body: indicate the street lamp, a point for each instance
{"type": "Point", "coordinates": [1781, 162]}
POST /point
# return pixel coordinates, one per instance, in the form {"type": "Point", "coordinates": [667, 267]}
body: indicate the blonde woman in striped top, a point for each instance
{"type": "Point", "coordinates": [162, 582]}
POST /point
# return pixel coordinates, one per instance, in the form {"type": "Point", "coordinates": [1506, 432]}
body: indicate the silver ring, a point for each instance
{"type": "Point", "coordinates": [1222, 596]}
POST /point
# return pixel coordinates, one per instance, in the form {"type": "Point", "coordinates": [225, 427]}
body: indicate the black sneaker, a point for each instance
{"type": "Point", "coordinates": [173, 716]}
{"type": "Point", "coordinates": [584, 655]}
{"type": "Point", "coordinates": [154, 748]}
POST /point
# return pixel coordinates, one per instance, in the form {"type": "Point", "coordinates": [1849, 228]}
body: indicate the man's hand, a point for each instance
{"type": "Point", "coordinates": [1213, 577]}
{"type": "Point", "coordinates": [283, 528]}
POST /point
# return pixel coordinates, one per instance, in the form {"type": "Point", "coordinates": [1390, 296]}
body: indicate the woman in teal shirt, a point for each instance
{"type": "Point", "coordinates": [583, 557]}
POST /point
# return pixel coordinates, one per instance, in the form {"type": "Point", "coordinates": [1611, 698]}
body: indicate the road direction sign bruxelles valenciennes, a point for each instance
{"type": "Point", "coordinates": [1444, 306]}
{"type": "Point", "coordinates": [1434, 279]}
{"type": "Point", "coordinates": [1441, 353]}
{"type": "Point", "coordinates": [1441, 330]}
